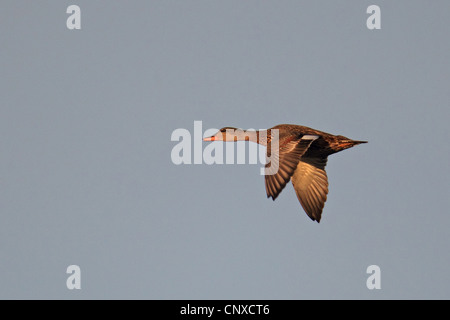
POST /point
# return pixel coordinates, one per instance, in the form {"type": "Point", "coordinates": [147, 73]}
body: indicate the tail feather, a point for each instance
{"type": "Point", "coordinates": [348, 143]}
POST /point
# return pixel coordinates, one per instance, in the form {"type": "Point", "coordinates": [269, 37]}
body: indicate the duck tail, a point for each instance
{"type": "Point", "coordinates": [345, 143]}
{"type": "Point", "coordinates": [355, 142]}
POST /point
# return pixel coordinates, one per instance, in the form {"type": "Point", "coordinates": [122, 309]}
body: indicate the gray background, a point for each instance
{"type": "Point", "coordinates": [86, 176]}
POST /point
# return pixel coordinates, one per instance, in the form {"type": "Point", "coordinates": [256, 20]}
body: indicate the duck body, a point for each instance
{"type": "Point", "coordinates": [325, 145]}
{"type": "Point", "coordinates": [300, 156]}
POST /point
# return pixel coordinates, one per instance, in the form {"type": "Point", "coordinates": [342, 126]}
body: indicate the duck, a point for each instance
{"type": "Point", "coordinates": [299, 154]}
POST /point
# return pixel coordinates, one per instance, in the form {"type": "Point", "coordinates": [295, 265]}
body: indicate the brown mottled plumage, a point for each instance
{"type": "Point", "coordinates": [301, 157]}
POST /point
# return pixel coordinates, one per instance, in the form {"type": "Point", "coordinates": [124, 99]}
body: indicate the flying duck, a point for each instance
{"type": "Point", "coordinates": [301, 157]}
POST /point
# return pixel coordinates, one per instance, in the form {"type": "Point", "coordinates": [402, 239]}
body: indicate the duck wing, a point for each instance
{"type": "Point", "coordinates": [284, 163]}
{"type": "Point", "coordinates": [311, 185]}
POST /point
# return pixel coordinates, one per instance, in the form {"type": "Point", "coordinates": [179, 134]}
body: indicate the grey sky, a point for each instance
{"type": "Point", "coordinates": [86, 176]}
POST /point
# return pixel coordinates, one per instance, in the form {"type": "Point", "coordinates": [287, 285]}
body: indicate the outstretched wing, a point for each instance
{"type": "Point", "coordinates": [311, 185]}
{"type": "Point", "coordinates": [283, 163]}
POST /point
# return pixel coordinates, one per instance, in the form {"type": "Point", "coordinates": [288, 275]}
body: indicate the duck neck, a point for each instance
{"type": "Point", "coordinates": [251, 135]}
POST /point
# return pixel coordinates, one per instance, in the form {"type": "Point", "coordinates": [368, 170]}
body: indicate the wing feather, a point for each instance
{"type": "Point", "coordinates": [286, 160]}
{"type": "Point", "coordinates": [310, 182]}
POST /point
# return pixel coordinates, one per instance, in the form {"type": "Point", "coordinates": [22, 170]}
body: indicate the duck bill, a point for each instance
{"type": "Point", "coordinates": [209, 138]}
